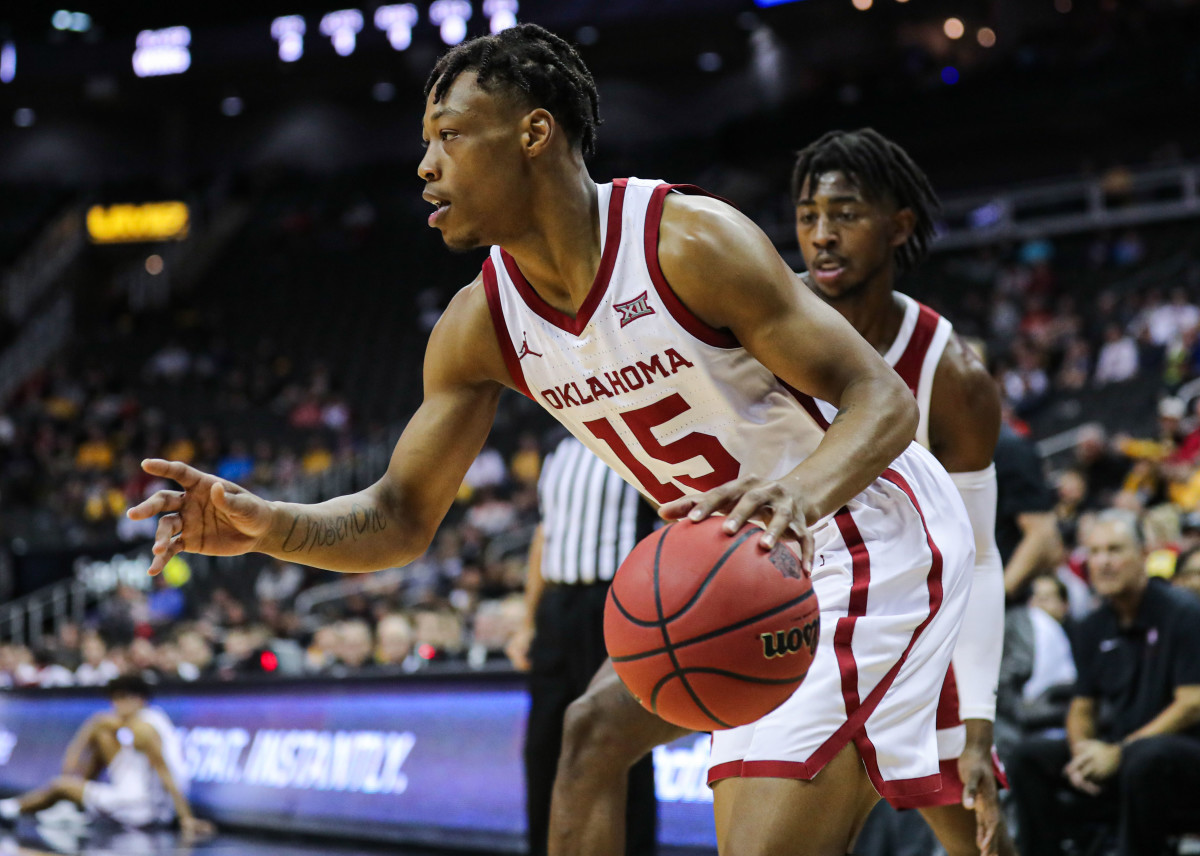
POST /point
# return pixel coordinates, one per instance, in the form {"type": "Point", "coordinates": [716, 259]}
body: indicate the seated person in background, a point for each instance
{"type": "Point", "coordinates": [1037, 668]}
{"type": "Point", "coordinates": [137, 745]}
{"type": "Point", "coordinates": [1133, 730]}
{"type": "Point", "coordinates": [1187, 571]}
{"type": "Point", "coordinates": [97, 669]}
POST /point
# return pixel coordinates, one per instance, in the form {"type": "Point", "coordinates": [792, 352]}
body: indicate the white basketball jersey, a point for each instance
{"type": "Point", "coordinates": [667, 401]}
{"type": "Point", "coordinates": [916, 352]}
{"type": "Point", "coordinates": [131, 772]}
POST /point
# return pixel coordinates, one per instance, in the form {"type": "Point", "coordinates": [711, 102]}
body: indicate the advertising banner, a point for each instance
{"type": "Point", "coordinates": [424, 759]}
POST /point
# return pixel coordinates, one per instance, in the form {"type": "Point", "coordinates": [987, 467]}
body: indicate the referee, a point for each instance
{"type": "Point", "coordinates": [590, 521]}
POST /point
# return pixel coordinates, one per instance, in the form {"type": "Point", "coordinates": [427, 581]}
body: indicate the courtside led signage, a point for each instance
{"type": "Point", "coordinates": [151, 221]}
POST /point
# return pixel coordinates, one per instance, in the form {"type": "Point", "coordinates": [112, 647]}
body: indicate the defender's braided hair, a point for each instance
{"type": "Point", "coordinates": [545, 70]}
{"type": "Point", "coordinates": [881, 170]}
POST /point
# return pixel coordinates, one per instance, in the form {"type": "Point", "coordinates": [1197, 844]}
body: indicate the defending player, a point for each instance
{"type": "Point", "coordinates": [664, 330]}
{"type": "Point", "coordinates": [137, 746]}
{"type": "Point", "coordinates": [857, 195]}
{"type": "Point", "coordinates": [864, 215]}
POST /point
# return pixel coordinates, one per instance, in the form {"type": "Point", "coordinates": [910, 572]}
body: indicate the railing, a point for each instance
{"type": "Point", "coordinates": [37, 270]}
{"type": "Point", "coordinates": [23, 620]}
{"type": "Point", "coordinates": [391, 579]}
{"type": "Point", "coordinates": [38, 342]}
{"type": "Point", "coordinates": [1137, 197]}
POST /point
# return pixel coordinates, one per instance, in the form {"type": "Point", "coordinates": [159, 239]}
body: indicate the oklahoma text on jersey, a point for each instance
{"type": "Point", "coordinates": [624, 379]}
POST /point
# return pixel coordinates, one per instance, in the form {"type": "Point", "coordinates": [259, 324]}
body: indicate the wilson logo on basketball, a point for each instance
{"type": "Point", "coordinates": [784, 642]}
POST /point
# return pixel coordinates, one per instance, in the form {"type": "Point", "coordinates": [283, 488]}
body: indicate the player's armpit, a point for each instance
{"type": "Point", "coordinates": [964, 411]}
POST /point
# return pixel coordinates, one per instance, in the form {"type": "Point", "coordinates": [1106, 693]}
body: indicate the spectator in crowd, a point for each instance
{"type": "Point", "coordinates": [495, 623]}
{"type": "Point", "coordinates": [1072, 491]}
{"type": "Point", "coordinates": [143, 660]}
{"type": "Point", "coordinates": [278, 581]}
{"type": "Point", "coordinates": [1118, 357]}
{"type": "Point", "coordinates": [50, 672]}
{"type": "Point", "coordinates": [1027, 532]}
{"type": "Point", "coordinates": [1037, 665]}
{"type": "Point", "coordinates": [1187, 571]}
{"type": "Point", "coordinates": [97, 669]}
{"type": "Point", "coordinates": [439, 632]}
{"type": "Point", "coordinates": [1103, 468]}
{"type": "Point", "coordinates": [394, 643]}
{"type": "Point", "coordinates": [195, 655]}
{"type": "Point", "coordinates": [1132, 751]}
{"type": "Point", "coordinates": [238, 464]}
{"type": "Point", "coordinates": [355, 647]}
{"type": "Point", "coordinates": [320, 654]}
{"type": "Point", "coordinates": [166, 603]}
{"type": "Point", "coordinates": [487, 470]}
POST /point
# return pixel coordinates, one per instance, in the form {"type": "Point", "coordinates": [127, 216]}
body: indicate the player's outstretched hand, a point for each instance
{"type": "Point", "coordinates": [210, 515]}
{"type": "Point", "coordinates": [774, 502]}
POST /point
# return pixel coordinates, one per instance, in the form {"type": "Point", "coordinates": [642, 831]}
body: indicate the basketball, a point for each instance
{"type": "Point", "coordinates": [707, 630]}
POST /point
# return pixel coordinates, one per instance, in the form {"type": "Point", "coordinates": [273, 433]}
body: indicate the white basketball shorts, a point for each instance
{"type": "Point", "coordinates": [892, 571]}
{"type": "Point", "coordinates": [127, 797]}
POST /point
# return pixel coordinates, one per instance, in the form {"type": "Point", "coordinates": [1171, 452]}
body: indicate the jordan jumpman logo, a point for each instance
{"type": "Point", "coordinates": [525, 352]}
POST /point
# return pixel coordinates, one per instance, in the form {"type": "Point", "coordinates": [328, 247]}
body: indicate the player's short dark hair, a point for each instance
{"type": "Point", "coordinates": [881, 169]}
{"type": "Point", "coordinates": [128, 685]}
{"type": "Point", "coordinates": [537, 66]}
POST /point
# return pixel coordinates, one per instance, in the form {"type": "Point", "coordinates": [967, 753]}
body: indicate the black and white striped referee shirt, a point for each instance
{"type": "Point", "coordinates": [591, 517]}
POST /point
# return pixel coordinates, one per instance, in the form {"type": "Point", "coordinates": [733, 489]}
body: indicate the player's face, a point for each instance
{"type": "Point", "coordinates": [1115, 563]}
{"type": "Point", "coordinates": [847, 240]}
{"type": "Point", "coordinates": [473, 165]}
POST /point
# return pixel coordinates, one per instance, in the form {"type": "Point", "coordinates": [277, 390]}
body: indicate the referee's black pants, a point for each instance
{"type": "Point", "coordinates": [1153, 794]}
{"type": "Point", "coordinates": [567, 649]}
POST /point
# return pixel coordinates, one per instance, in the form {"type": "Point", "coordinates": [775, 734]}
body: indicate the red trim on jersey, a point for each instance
{"type": "Point", "coordinates": [951, 791]}
{"type": "Point", "coordinates": [934, 581]}
{"type": "Point", "coordinates": [808, 403]}
{"type": "Point", "coordinates": [913, 359]}
{"type": "Point", "coordinates": [947, 710]}
{"type": "Point", "coordinates": [608, 258]}
{"type": "Point", "coordinates": [491, 288]}
{"type": "Point", "coordinates": [860, 563]}
{"type": "Point", "coordinates": [702, 331]}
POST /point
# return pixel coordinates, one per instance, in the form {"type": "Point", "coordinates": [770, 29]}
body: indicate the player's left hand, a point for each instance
{"type": "Point", "coordinates": [1094, 761]}
{"type": "Point", "coordinates": [777, 503]}
{"type": "Point", "coordinates": [981, 796]}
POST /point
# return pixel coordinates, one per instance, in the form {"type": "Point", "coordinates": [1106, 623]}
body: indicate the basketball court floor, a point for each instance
{"type": "Point", "coordinates": [29, 839]}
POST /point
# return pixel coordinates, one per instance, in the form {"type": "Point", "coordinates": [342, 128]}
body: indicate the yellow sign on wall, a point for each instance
{"type": "Point", "coordinates": [150, 221]}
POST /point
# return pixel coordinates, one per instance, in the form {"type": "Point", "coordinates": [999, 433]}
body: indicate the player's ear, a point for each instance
{"type": "Point", "coordinates": [540, 128]}
{"type": "Point", "coordinates": [904, 223]}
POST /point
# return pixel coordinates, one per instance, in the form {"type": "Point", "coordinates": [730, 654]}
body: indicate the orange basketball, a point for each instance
{"type": "Point", "coordinates": [709, 630]}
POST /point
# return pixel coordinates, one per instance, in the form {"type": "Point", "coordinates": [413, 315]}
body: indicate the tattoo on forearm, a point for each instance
{"type": "Point", "coordinates": [844, 411]}
{"type": "Point", "coordinates": [309, 531]}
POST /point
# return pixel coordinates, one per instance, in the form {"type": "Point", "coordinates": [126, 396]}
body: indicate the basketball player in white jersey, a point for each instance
{"type": "Point", "coordinates": [138, 748]}
{"type": "Point", "coordinates": [864, 215]}
{"type": "Point", "coordinates": [851, 190]}
{"type": "Point", "coordinates": [664, 330]}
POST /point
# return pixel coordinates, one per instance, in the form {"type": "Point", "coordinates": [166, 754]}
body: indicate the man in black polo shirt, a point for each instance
{"type": "Point", "coordinates": [1133, 731]}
